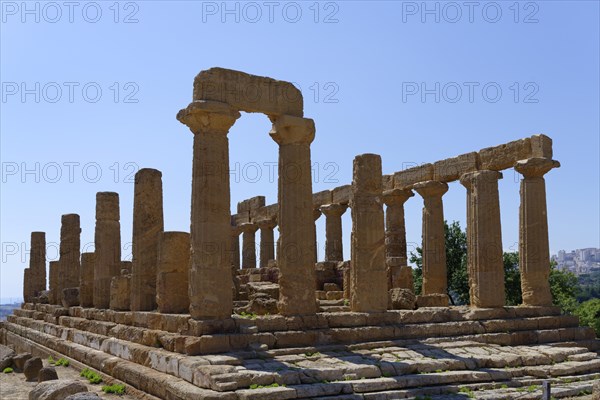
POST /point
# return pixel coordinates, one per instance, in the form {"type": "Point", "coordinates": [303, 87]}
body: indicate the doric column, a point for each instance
{"type": "Point", "coordinates": [316, 214]}
{"type": "Point", "coordinates": [248, 245]}
{"type": "Point", "coordinates": [484, 239]}
{"type": "Point", "coordinates": [534, 252]}
{"type": "Point", "coordinates": [148, 224]}
{"type": "Point", "coordinates": [173, 271]}
{"type": "Point", "coordinates": [235, 248]}
{"type": "Point", "coordinates": [53, 282]}
{"type": "Point", "coordinates": [37, 263]}
{"type": "Point", "coordinates": [395, 237]}
{"type": "Point", "coordinates": [334, 250]}
{"type": "Point", "coordinates": [86, 280]}
{"type": "Point", "coordinates": [210, 287]}
{"type": "Point", "coordinates": [70, 246]}
{"type": "Point", "coordinates": [267, 240]}
{"type": "Point", "coordinates": [434, 241]}
{"type": "Point", "coordinates": [27, 291]}
{"type": "Point", "coordinates": [108, 246]}
{"type": "Point", "coordinates": [368, 277]}
{"type": "Point", "coordinates": [296, 251]}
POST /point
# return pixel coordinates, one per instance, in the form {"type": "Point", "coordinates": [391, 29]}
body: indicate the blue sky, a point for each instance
{"type": "Point", "coordinates": [90, 91]}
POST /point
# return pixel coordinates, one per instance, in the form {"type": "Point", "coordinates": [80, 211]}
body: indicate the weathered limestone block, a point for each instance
{"type": "Point", "coordinates": [484, 239]}
{"type": "Point", "coordinates": [120, 290]}
{"type": "Point", "coordinates": [267, 240]}
{"type": "Point", "coordinates": [261, 304]}
{"type": "Point", "coordinates": [6, 356]}
{"type": "Point", "coordinates": [251, 205]}
{"type": "Point", "coordinates": [504, 156]}
{"type": "Point", "coordinates": [342, 194]}
{"type": "Point", "coordinates": [268, 288]}
{"type": "Point", "coordinates": [173, 273]}
{"type": "Point", "coordinates": [148, 223]}
{"type": "Point", "coordinates": [248, 244]}
{"type": "Point", "coordinates": [402, 299]}
{"type": "Point", "coordinates": [32, 369]}
{"type": "Point", "coordinates": [451, 169]}
{"type": "Point", "coordinates": [296, 251]}
{"type": "Point", "coordinates": [432, 300]}
{"type": "Point", "coordinates": [368, 276]}
{"type": "Point", "coordinates": [70, 247]}
{"type": "Point", "coordinates": [541, 146]}
{"type": "Point", "coordinates": [248, 93]}
{"type": "Point", "coordinates": [56, 389]}
{"type": "Point", "coordinates": [107, 245]}
{"type": "Point", "coordinates": [387, 182]}
{"type": "Point", "coordinates": [47, 374]}
{"type": "Point", "coordinates": [333, 231]}
{"type": "Point", "coordinates": [37, 263]}
{"type": "Point", "coordinates": [210, 285]}
{"type": "Point", "coordinates": [86, 280]}
{"type": "Point", "coordinates": [534, 251]}
{"type": "Point", "coordinates": [434, 242]}
{"type": "Point", "coordinates": [70, 297]}
{"type": "Point", "coordinates": [20, 359]}
{"type": "Point", "coordinates": [408, 177]}
{"type": "Point", "coordinates": [401, 277]}
{"type": "Point", "coordinates": [322, 198]}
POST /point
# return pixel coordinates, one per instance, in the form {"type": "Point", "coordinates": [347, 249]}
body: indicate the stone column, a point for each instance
{"type": "Point", "coordinates": [70, 247]}
{"type": "Point", "coordinates": [248, 245]}
{"type": "Point", "coordinates": [27, 291]}
{"type": "Point", "coordinates": [210, 287]}
{"type": "Point", "coordinates": [333, 231]}
{"type": "Point", "coordinates": [235, 248]}
{"type": "Point", "coordinates": [53, 271]}
{"type": "Point", "coordinates": [395, 239]}
{"type": "Point", "coordinates": [267, 240]}
{"type": "Point", "coordinates": [484, 239]}
{"type": "Point", "coordinates": [434, 240]}
{"type": "Point", "coordinates": [37, 263]}
{"type": "Point", "coordinates": [108, 246]}
{"type": "Point", "coordinates": [147, 225]}
{"type": "Point", "coordinates": [173, 272]}
{"type": "Point", "coordinates": [86, 280]}
{"type": "Point", "coordinates": [368, 277]}
{"type": "Point", "coordinates": [534, 252]}
{"type": "Point", "coordinates": [296, 251]}
{"type": "Point", "coordinates": [316, 214]}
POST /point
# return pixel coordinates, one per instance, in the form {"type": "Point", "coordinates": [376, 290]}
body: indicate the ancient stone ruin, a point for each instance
{"type": "Point", "coordinates": [199, 315]}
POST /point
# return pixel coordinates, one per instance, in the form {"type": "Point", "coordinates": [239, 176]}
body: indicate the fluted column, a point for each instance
{"type": "Point", "coordinates": [148, 224]}
{"type": "Point", "coordinates": [248, 245]}
{"type": "Point", "coordinates": [534, 251]}
{"type": "Point", "coordinates": [434, 241]}
{"type": "Point", "coordinates": [267, 240]}
{"type": "Point", "coordinates": [173, 272]}
{"type": "Point", "coordinates": [86, 280]}
{"type": "Point", "coordinates": [37, 263]}
{"type": "Point", "coordinates": [296, 251]}
{"type": "Point", "coordinates": [53, 282]}
{"type": "Point", "coordinates": [108, 246]}
{"type": "Point", "coordinates": [70, 247]}
{"type": "Point", "coordinates": [334, 250]}
{"type": "Point", "coordinates": [210, 288]}
{"type": "Point", "coordinates": [395, 238]}
{"type": "Point", "coordinates": [368, 277]}
{"type": "Point", "coordinates": [484, 239]}
{"type": "Point", "coordinates": [235, 248]}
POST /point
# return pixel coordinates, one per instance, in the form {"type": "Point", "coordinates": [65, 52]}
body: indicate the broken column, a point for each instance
{"type": "Point", "coordinates": [173, 272]}
{"type": "Point", "coordinates": [399, 273]}
{"type": "Point", "coordinates": [147, 226]}
{"type": "Point", "coordinates": [534, 252]}
{"type": "Point", "coordinates": [368, 277]}
{"type": "Point", "coordinates": [484, 239]}
{"type": "Point", "coordinates": [248, 245]}
{"type": "Point", "coordinates": [296, 249]}
{"type": "Point", "coordinates": [107, 239]}
{"type": "Point", "coordinates": [86, 280]}
{"type": "Point", "coordinates": [333, 231]}
{"type": "Point", "coordinates": [434, 240]}
{"type": "Point", "coordinates": [37, 263]}
{"type": "Point", "coordinates": [267, 240]}
{"type": "Point", "coordinates": [210, 287]}
{"type": "Point", "coordinates": [70, 246]}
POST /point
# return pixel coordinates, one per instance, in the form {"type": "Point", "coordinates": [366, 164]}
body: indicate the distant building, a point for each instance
{"type": "Point", "coordinates": [579, 261]}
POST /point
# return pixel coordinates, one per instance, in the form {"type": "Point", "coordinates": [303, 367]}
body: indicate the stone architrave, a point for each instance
{"type": "Point", "coordinates": [248, 244]}
{"type": "Point", "coordinates": [296, 249]}
{"type": "Point", "coordinates": [108, 246]}
{"type": "Point", "coordinates": [484, 239]}
{"type": "Point", "coordinates": [334, 250]}
{"type": "Point", "coordinates": [211, 282]}
{"type": "Point", "coordinates": [267, 240]}
{"type": "Point", "coordinates": [86, 280]}
{"type": "Point", "coordinates": [70, 247]}
{"type": "Point", "coordinates": [173, 272]}
{"type": "Point", "coordinates": [148, 224]}
{"type": "Point", "coordinates": [368, 276]}
{"type": "Point", "coordinates": [534, 250]}
{"type": "Point", "coordinates": [434, 242]}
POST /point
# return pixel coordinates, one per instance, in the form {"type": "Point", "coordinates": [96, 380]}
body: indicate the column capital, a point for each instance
{"type": "Point", "coordinates": [396, 196]}
{"type": "Point", "coordinates": [468, 179]}
{"type": "Point", "coordinates": [208, 116]}
{"type": "Point", "coordinates": [288, 129]}
{"type": "Point", "coordinates": [266, 223]}
{"type": "Point", "coordinates": [431, 188]}
{"type": "Point", "coordinates": [535, 167]}
{"type": "Point", "coordinates": [248, 227]}
{"type": "Point", "coordinates": [334, 210]}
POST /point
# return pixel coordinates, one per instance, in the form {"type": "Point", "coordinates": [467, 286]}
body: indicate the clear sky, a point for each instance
{"type": "Point", "coordinates": [90, 91]}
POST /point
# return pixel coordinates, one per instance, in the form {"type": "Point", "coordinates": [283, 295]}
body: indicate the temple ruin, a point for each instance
{"type": "Point", "coordinates": [204, 315]}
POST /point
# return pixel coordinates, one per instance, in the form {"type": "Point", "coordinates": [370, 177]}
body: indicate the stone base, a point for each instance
{"type": "Point", "coordinates": [402, 299]}
{"type": "Point", "coordinates": [432, 300]}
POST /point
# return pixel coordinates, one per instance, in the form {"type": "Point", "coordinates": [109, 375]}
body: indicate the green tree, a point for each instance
{"type": "Point", "coordinates": [589, 314]}
{"type": "Point", "coordinates": [512, 279]}
{"type": "Point", "coordinates": [564, 287]}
